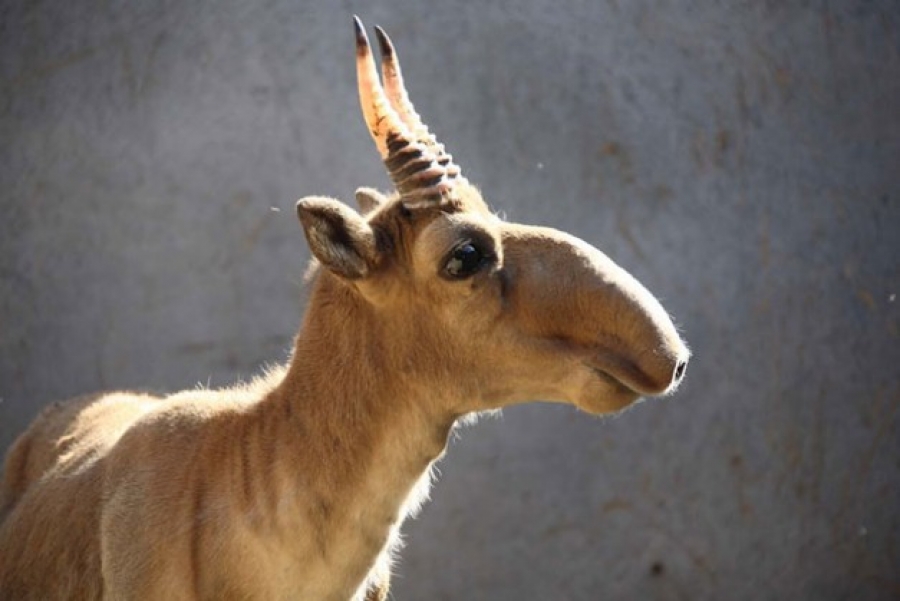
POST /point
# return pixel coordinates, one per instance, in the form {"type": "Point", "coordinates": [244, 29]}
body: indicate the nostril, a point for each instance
{"type": "Point", "coordinates": [679, 370]}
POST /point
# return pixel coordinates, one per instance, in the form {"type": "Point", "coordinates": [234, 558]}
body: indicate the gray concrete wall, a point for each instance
{"type": "Point", "coordinates": [742, 159]}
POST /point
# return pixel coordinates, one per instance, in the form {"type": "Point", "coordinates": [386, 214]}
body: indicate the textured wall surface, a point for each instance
{"type": "Point", "coordinates": [743, 161]}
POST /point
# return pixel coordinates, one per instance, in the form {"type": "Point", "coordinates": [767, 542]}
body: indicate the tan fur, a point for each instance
{"type": "Point", "coordinates": [295, 486]}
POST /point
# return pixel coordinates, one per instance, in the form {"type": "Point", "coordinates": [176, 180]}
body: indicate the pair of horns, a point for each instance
{"type": "Point", "coordinates": [419, 166]}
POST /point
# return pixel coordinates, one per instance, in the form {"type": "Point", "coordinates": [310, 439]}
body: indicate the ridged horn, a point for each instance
{"type": "Point", "coordinates": [392, 78]}
{"type": "Point", "coordinates": [380, 116]}
{"type": "Point", "coordinates": [416, 162]}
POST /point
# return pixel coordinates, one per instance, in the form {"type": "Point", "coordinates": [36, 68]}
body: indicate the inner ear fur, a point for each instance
{"type": "Point", "coordinates": [338, 236]}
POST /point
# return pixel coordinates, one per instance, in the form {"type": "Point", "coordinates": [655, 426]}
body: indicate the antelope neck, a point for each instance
{"type": "Point", "coordinates": [356, 443]}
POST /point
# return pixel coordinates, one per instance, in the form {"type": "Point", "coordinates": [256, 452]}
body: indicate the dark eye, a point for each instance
{"type": "Point", "coordinates": [465, 261]}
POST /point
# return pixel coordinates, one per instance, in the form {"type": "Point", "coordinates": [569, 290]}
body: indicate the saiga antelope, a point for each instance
{"type": "Point", "coordinates": [425, 307]}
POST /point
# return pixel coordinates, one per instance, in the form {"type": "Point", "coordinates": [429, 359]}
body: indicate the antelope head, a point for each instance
{"type": "Point", "coordinates": [498, 311]}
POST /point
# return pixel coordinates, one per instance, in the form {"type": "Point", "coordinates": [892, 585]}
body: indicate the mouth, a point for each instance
{"type": "Point", "coordinates": [608, 394]}
{"type": "Point", "coordinates": [618, 370]}
{"type": "Point", "coordinates": [611, 380]}
{"type": "Point", "coordinates": [660, 376]}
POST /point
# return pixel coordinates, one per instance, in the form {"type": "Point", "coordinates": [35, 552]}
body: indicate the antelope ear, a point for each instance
{"type": "Point", "coordinates": [338, 236]}
{"type": "Point", "coordinates": [369, 199]}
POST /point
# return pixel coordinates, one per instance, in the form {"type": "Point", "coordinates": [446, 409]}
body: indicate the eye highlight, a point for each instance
{"type": "Point", "coordinates": [465, 260]}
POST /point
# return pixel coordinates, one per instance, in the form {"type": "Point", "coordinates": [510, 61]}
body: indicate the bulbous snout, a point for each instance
{"type": "Point", "coordinates": [619, 331]}
{"type": "Point", "coordinates": [638, 344]}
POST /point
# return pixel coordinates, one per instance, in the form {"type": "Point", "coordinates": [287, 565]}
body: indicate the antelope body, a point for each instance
{"type": "Point", "coordinates": [425, 307]}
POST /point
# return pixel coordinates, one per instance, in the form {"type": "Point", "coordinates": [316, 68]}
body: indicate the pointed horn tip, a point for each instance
{"type": "Point", "coordinates": [362, 40]}
{"type": "Point", "coordinates": [384, 43]}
